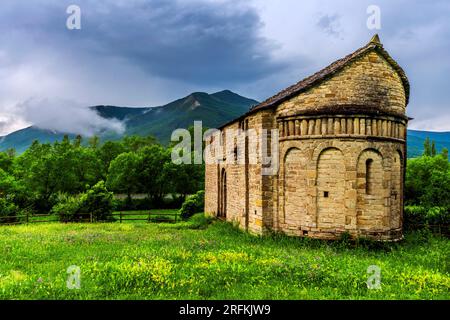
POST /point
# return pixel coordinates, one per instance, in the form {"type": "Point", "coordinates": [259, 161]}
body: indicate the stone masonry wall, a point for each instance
{"type": "Point", "coordinates": [369, 81]}
{"type": "Point", "coordinates": [339, 172]}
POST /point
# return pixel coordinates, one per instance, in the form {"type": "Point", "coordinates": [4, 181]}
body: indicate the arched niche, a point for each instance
{"type": "Point", "coordinates": [331, 186]}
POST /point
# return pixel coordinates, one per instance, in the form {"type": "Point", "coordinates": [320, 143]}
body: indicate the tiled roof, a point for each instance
{"type": "Point", "coordinates": [327, 72]}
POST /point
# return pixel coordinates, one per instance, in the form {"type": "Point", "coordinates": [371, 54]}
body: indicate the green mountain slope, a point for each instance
{"type": "Point", "coordinates": [22, 139]}
{"type": "Point", "coordinates": [416, 139]}
{"type": "Point", "coordinates": [119, 113]}
{"type": "Point", "coordinates": [212, 109]}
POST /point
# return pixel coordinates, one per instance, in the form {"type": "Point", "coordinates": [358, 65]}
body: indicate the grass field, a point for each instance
{"type": "Point", "coordinates": [194, 260]}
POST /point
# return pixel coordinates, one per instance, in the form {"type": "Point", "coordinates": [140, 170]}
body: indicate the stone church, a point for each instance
{"type": "Point", "coordinates": [342, 149]}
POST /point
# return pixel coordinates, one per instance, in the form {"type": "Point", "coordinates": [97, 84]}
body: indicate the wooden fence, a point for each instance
{"type": "Point", "coordinates": [441, 229]}
{"type": "Point", "coordinates": [120, 217]}
{"type": "Point", "coordinates": [27, 218]}
{"type": "Point", "coordinates": [150, 216]}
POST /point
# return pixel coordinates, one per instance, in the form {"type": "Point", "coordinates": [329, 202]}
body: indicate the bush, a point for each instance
{"type": "Point", "coordinates": [8, 211]}
{"type": "Point", "coordinates": [193, 204]}
{"type": "Point", "coordinates": [439, 216]}
{"type": "Point", "coordinates": [127, 204]}
{"type": "Point", "coordinates": [416, 217]}
{"type": "Point", "coordinates": [97, 201]}
{"type": "Point", "coordinates": [199, 221]}
{"type": "Point", "coordinates": [68, 208]}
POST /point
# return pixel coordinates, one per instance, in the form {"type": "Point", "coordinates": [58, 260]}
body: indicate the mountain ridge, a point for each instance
{"type": "Point", "coordinates": [212, 109]}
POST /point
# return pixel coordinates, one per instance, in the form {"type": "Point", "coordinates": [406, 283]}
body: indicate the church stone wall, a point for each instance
{"type": "Point", "coordinates": [341, 169]}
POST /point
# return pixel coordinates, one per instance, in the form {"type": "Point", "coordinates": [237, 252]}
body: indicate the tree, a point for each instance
{"type": "Point", "coordinates": [78, 141]}
{"type": "Point", "coordinates": [98, 201]}
{"type": "Point", "coordinates": [153, 175]}
{"type": "Point", "coordinates": [94, 141]}
{"type": "Point", "coordinates": [433, 149]}
{"type": "Point", "coordinates": [86, 166]}
{"type": "Point", "coordinates": [445, 153]}
{"type": "Point", "coordinates": [39, 172]}
{"type": "Point", "coordinates": [123, 174]}
{"type": "Point", "coordinates": [422, 175]}
{"type": "Point", "coordinates": [109, 151]}
{"type": "Point", "coordinates": [186, 179]}
{"type": "Point", "coordinates": [6, 161]}
{"type": "Point", "coordinates": [136, 143]}
{"type": "Point", "coordinates": [437, 192]}
{"type": "Point", "coordinates": [427, 147]}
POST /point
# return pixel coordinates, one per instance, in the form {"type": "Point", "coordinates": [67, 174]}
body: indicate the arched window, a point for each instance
{"type": "Point", "coordinates": [369, 176]}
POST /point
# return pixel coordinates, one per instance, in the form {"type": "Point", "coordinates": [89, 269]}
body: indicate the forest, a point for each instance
{"type": "Point", "coordinates": [69, 177]}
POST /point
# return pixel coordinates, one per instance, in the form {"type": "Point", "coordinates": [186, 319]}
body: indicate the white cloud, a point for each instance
{"type": "Point", "coordinates": [66, 116]}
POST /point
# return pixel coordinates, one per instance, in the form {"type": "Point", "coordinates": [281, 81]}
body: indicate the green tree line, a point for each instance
{"type": "Point", "coordinates": [36, 179]}
{"type": "Point", "coordinates": [427, 189]}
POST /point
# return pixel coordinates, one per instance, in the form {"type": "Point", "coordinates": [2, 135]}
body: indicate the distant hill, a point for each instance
{"type": "Point", "coordinates": [119, 113]}
{"type": "Point", "coordinates": [213, 109]}
{"type": "Point", "coordinates": [417, 138]}
{"type": "Point", "coordinates": [22, 139]}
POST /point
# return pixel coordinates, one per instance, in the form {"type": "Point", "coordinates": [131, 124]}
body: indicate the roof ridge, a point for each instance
{"type": "Point", "coordinates": [316, 77]}
{"type": "Point", "coordinates": [334, 67]}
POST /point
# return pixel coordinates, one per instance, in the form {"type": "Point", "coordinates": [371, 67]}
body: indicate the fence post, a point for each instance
{"type": "Point", "coordinates": [90, 216]}
{"type": "Point", "coordinates": [120, 215]}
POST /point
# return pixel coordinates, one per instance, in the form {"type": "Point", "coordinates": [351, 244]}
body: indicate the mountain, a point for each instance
{"type": "Point", "coordinates": [119, 113]}
{"type": "Point", "coordinates": [416, 139]}
{"type": "Point", "coordinates": [212, 109]}
{"type": "Point", "coordinates": [22, 139]}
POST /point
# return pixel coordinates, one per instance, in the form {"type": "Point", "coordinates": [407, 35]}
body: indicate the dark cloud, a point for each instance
{"type": "Point", "coordinates": [146, 53]}
{"type": "Point", "coordinates": [127, 52]}
{"type": "Point", "coordinates": [193, 41]}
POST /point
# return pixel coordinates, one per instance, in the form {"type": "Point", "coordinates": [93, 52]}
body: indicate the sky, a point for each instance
{"type": "Point", "coordinates": [150, 52]}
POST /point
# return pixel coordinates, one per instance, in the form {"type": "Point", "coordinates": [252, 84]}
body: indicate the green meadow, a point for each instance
{"type": "Point", "coordinates": [209, 259]}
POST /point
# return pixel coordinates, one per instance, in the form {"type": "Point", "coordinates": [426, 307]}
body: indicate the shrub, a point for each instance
{"type": "Point", "coordinates": [97, 200]}
{"type": "Point", "coordinates": [68, 208]}
{"type": "Point", "coordinates": [127, 204]}
{"type": "Point", "coordinates": [8, 211]}
{"type": "Point", "coordinates": [193, 204]}
{"type": "Point", "coordinates": [414, 215]}
{"type": "Point", "coordinates": [438, 216]}
{"type": "Point", "coordinates": [199, 221]}
{"type": "Point", "coordinates": [418, 217]}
